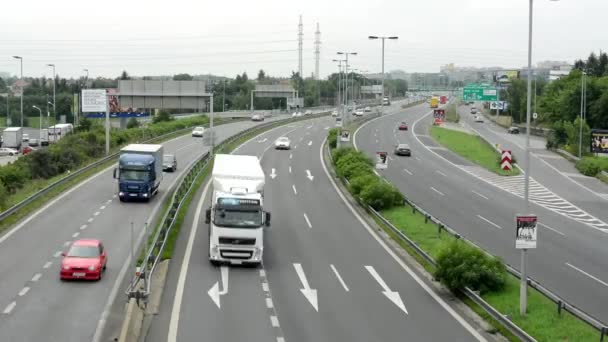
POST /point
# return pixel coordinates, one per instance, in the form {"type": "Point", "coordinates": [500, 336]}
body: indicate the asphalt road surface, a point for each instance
{"type": "Point", "coordinates": [325, 276]}
{"type": "Point", "coordinates": [34, 304]}
{"type": "Point", "coordinates": [571, 255]}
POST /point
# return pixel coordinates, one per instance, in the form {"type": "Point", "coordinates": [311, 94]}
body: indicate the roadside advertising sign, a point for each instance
{"type": "Point", "coordinates": [526, 231]}
{"type": "Point", "coordinates": [439, 114]}
{"type": "Point", "coordinates": [500, 105]}
{"type": "Point", "coordinates": [381, 160]}
{"type": "Point", "coordinates": [93, 100]}
{"type": "Point", "coordinates": [599, 140]}
{"type": "Point", "coordinates": [505, 76]}
{"type": "Point", "coordinates": [344, 135]}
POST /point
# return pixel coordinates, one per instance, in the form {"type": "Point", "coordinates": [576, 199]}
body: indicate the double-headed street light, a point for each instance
{"type": "Point", "coordinates": [21, 78]}
{"type": "Point", "coordinates": [383, 38]}
{"type": "Point", "coordinates": [346, 54]}
{"type": "Point", "coordinates": [40, 127]}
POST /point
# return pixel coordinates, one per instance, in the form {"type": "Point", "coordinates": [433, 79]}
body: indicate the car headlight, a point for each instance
{"type": "Point", "coordinates": [65, 267]}
{"type": "Point", "coordinates": [121, 193]}
{"type": "Point", "coordinates": [92, 268]}
{"type": "Point", "coordinates": [145, 195]}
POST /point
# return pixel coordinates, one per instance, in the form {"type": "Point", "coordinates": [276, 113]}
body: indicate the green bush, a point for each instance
{"type": "Point", "coordinates": [133, 123]}
{"type": "Point", "coordinates": [461, 265]}
{"type": "Point", "coordinates": [162, 116]}
{"type": "Point", "coordinates": [381, 195]}
{"type": "Point", "coordinates": [13, 176]}
{"type": "Point", "coordinates": [353, 157]}
{"type": "Point", "coordinates": [338, 153]}
{"type": "Point", "coordinates": [589, 166]}
{"type": "Point", "coordinates": [354, 169]}
{"type": "Point", "coordinates": [3, 195]}
{"type": "Point", "coordinates": [332, 137]}
{"type": "Point", "coordinates": [361, 181]}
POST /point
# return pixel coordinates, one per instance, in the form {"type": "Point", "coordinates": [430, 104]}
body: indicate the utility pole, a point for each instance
{"type": "Point", "coordinates": [54, 98]}
{"type": "Point", "coordinates": [383, 38]}
{"type": "Point", "coordinates": [317, 51]}
{"type": "Point", "coordinates": [300, 44]}
{"type": "Point", "coordinates": [22, 85]}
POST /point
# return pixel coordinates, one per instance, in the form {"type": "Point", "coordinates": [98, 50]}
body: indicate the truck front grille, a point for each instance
{"type": "Point", "coordinates": [236, 241]}
{"type": "Point", "coordinates": [235, 254]}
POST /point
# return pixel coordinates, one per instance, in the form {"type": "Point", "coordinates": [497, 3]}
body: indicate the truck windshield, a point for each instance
{"type": "Point", "coordinates": [238, 218]}
{"type": "Point", "coordinates": [134, 175]}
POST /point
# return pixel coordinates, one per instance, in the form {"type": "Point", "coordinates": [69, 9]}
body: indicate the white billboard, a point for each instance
{"type": "Point", "coordinates": [371, 89]}
{"type": "Point", "coordinates": [94, 100]}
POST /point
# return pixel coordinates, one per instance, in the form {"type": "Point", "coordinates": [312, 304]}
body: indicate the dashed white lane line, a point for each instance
{"type": "Point", "coordinates": [24, 291]}
{"type": "Point", "coordinates": [114, 196]}
{"type": "Point", "coordinates": [48, 264]}
{"type": "Point", "coordinates": [83, 227]}
{"type": "Point", "coordinates": [408, 172]}
{"type": "Point", "coordinates": [290, 155]}
{"type": "Point", "coordinates": [307, 220]}
{"type": "Point", "coordinates": [36, 277]}
{"type": "Point", "coordinates": [90, 220]}
{"type": "Point", "coordinates": [102, 207]}
{"type": "Point", "coordinates": [262, 273]}
{"type": "Point", "coordinates": [96, 213]}
{"type": "Point", "coordinates": [588, 275]}
{"type": "Point", "coordinates": [310, 143]}
{"type": "Point", "coordinates": [418, 159]}
{"type": "Point", "coordinates": [75, 235]}
{"type": "Point", "coordinates": [552, 229]}
{"type": "Point", "coordinates": [280, 339]}
{"type": "Point", "coordinates": [290, 169]}
{"type": "Point", "coordinates": [490, 222]}
{"type": "Point", "coordinates": [480, 195]}
{"type": "Point", "coordinates": [57, 254]}
{"type": "Point", "coordinates": [441, 173]}
{"type": "Point", "coordinates": [294, 189]}
{"type": "Point", "coordinates": [269, 303]}
{"type": "Point", "coordinates": [333, 268]}
{"type": "Point", "coordinates": [437, 191]}
{"type": "Point", "coordinates": [9, 308]}
{"type": "Point", "coordinates": [67, 243]}
{"type": "Point", "coordinates": [274, 321]}
{"type": "Point", "coordinates": [265, 287]}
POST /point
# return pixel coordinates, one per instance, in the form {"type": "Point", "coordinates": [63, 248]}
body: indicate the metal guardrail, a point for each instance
{"type": "Point", "coordinates": [502, 319]}
{"type": "Point", "coordinates": [154, 254]}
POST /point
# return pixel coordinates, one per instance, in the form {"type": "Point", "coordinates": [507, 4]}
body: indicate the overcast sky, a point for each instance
{"type": "Point", "coordinates": [155, 37]}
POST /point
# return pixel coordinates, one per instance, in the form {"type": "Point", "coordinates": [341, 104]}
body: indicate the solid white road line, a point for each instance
{"type": "Point", "coordinates": [294, 189]}
{"type": "Point", "coordinates": [36, 277]}
{"type": "Point", "coordinates": [478, 194]}
{"type": "Point", "coordinates": [437, 191]}
{"type": "Point", "coordinates": [553, 229]}
{"type": "Point", "coordinates": [9, 308]}
{"type": "Point", "coordinates": [441, 173]}
{"type": "Point", "coordinates": [23, 291]}
{"type": "Point", "coordinates": [339, 277]}
{"type": "Point", "coordinates": [181, 282]}
{"type": "Point", "coordinates": [490, 222]}
{"type": "Point", "coordinates": [274, 321]}
{"type": "Point", "coordinates": [307, 220]}
{"type": "Point", "coordinates": [48, 264]}
{"type": "Point", "coordinates": [408, 172]}
{"type": "Point", "coordinates": [392, 254]}
{"type": "Point", "coordinates": [588, 275]}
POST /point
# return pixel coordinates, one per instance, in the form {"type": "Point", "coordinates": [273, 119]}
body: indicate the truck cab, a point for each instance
{"type": "Point", "coordinates": [139, 172]}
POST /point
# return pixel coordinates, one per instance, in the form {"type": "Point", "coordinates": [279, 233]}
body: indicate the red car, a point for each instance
{"type": "Point", "coordinates": [403, 126]}
{"type": "Point", "coordinates": [27, 150]}
{"type": "Point", "coordinates": [86, 259]}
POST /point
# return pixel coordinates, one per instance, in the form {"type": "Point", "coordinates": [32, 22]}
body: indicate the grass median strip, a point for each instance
{"type": "Point", "coordinates": [471, 147]}
{"type": "Point", "coordinates": [542, 321]}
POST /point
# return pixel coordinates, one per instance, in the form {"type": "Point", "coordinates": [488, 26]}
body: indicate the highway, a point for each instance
{"type": "Point", "coordinates": [34, 304]}
{"type": "Point", "coordinates": [571, 254]}
{"type": "Point", "coordinates": [326, 276]}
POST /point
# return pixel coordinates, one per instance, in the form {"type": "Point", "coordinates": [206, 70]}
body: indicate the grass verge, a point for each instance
{"type": "Point", "coordinates": [471, 147]}
{"type": "Point", "coordinates": [542, 321]}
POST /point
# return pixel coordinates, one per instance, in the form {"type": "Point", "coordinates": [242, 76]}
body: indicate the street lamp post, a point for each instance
{"type": "Point", "coordinates": [54, 98]}
{"type": "Point", "coordinates": [383, 38]}
{"type": "Point", "coordinates": [580, 134]}
{"type": "Point", "coordinates": [346, 54]}
{"type": "Point", "coordinates": [21, 78]}
{"type": "Point", "coordinates": [40, 127]}
{"type": "Point", "coordinates": [339, 102]}
{"type": "Point", "coordinates": [523, 286]}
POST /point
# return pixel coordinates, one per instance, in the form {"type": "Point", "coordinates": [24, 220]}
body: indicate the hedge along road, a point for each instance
{"type": "Point", "coordinates": [34, 304]}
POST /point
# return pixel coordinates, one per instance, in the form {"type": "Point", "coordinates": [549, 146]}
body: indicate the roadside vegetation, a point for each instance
{"type": "Point", "coordinates": [473, 148]}
{"type": "Point", "coordinates": [458, 264]}
{"type": "Point", "coordinates": [451, 114]}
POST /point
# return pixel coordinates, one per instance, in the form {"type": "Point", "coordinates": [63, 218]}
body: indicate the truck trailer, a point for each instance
{"type": "Point", "coordinates": [12, 137]}
{"type": "Point", "coordinates": [236, 216]}
{"type": "Point", "coordinates": [139, 172]}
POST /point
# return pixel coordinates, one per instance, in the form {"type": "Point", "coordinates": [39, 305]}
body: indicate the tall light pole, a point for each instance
{"type": "Point", "coordinates": [523, 285]}
{"type": "Point", "coordinates": [383, 38]}
{"type": "Point", "coordinates": [346, 54]}
{"type": "Point", "coordinates": [580, 133]}
{"type": "Point", "coordinates": [86, 78]}
{"type": "Point", "coordinates": [54, 98]}
{"type": "Point", "coordinates": [21, 78]}
{"type": "Point", "coordinates": [39, 128]}
{"type": "Point", "coordinates": [339, 95]}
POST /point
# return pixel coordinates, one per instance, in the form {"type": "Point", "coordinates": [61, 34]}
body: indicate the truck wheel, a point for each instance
{"type": "Point", "coordinates": [215, 263]}
{"type": "Point", "coordinates": [121, 199]}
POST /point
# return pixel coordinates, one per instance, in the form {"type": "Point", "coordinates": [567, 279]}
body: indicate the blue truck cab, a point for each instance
{"type": "Point", "coordinates": [139, 172]}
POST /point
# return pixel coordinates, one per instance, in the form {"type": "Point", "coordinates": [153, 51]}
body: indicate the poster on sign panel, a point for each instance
{"type": "Point", "coordinates": [93, 100]}
{"type": "Point", "coordinates": [526, 231]}
{"type": "Point", "coordinates": [599, 140]}
{"type": "Point", "coordinates": [381, 160]}
{"type": "Point", "coordinates": [345, 135]}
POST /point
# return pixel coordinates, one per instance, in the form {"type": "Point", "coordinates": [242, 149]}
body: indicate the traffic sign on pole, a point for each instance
{"type": "Point", "coordinates": [479, 94]}
{"type": "Point", "coordinates": [505, 160]}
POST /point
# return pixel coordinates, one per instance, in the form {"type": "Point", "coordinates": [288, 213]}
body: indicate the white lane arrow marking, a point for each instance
{"type": "Point", "coordinates": [214, 292]}
{"type": "Point", "coordinates": [392, 295]}
{"type": "Point", "coordinates": [273, 173]}
{"type": "Point", "coordinates": [311, 177]}
{"type": "Point", "coordinates": [310, 294]}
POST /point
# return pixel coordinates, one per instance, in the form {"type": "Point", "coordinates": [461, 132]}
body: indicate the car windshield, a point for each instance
{"type": "Point", "coordinates": [168, 158]}
{"type": "Point", "coordinates": [404, 146]}
{"type": "Point", "coordinates": [133, 175]}
{"type": "Point", "coordinates": [199, 129]}
{"type": "Point", "coordinates": [238, 218]}
{"type": "Point", "coordinates": [83, 252]}
{"type": "Point", "coordinates": [283, 139]}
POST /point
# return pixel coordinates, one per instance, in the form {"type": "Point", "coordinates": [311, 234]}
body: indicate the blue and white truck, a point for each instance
{"type": "Point", "coordinates": [139, 172]}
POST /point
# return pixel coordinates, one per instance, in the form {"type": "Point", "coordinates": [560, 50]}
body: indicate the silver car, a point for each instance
{"type": "Point", "coordinates": [283, 143]}
{"type": "Point", "coordinates": [5, 151]}
{"type": "Point", "coordinates": [198, 131]}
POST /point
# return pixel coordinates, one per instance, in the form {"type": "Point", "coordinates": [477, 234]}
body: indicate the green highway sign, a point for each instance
{"type": "Point", "coordinates": [479, 94]}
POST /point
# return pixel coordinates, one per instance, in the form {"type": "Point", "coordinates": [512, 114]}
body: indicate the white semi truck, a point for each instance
{"type": "Point", "coordinates": [236, 217]}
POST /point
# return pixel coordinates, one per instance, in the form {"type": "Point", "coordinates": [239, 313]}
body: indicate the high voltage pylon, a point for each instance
{"type": "Point", "coordinates": [300, 38]}
{"type": "Point", "coordinates": [317, 51]}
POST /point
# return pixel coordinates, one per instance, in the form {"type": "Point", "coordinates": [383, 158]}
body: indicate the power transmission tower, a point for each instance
{"type": "Point", "coordinates": [300, 37]}
{"type": "Point", "coordinates": [317, 51]}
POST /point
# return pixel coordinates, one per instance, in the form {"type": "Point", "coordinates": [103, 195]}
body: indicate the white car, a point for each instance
{"type": "Point", "coordinates": [283, 143]}
{"type": "Point", "coordinates": [367, 109]}
{"type": "Point", "coordinates": [198, 131]}
{"type": "Point", "coordinates": [5, 151]}
{"type": "Point", "coordinates": [334, 113]}
{"type": "Point", "coordinates": [478, 118]}
{"type": "Point", "coordinates": [25, 137]}
{"type": "Point", "coordinates": [257, 117]}
{"type": "Point", "coordinates": [358, 113]}
{"type": "Point", "coordinates": [296, 114]}
{"type": "Point", "coordinates": [308, 112]}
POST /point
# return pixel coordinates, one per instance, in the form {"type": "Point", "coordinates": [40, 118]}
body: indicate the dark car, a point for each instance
{"type": "Point", "coordinates": [403, 150]}
{"type": "Point", "coordinates": [513, 130]}
{"type": "Point", "coordinates": [169, 163]}
{"type": "Point", "coordinates": [403, 126]}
